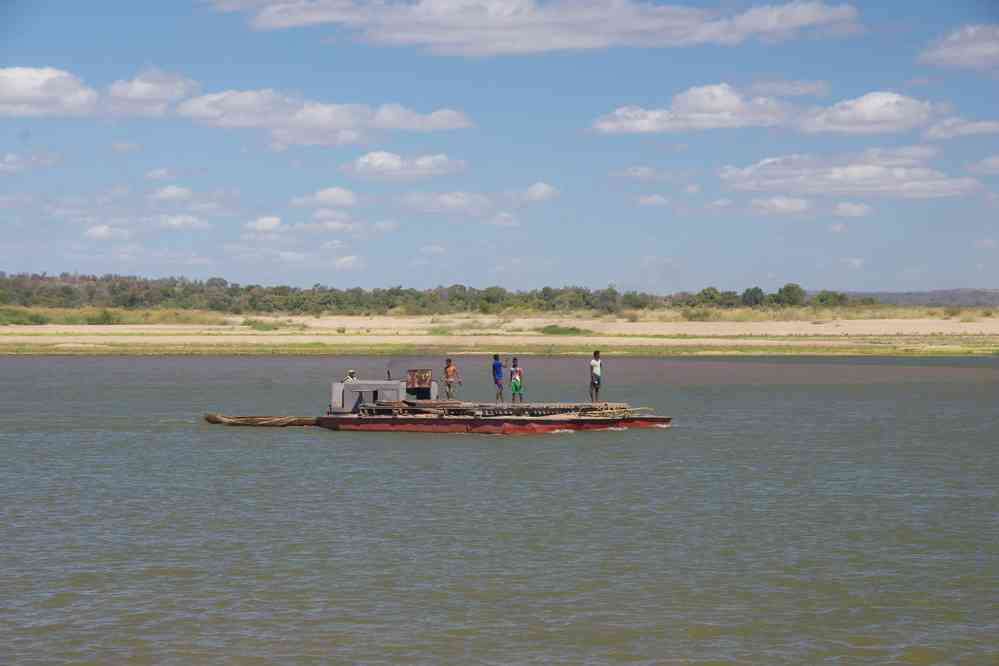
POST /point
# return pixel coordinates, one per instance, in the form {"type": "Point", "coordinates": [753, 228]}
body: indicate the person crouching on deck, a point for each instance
{"type": "Point", "coordinates": [516, 382]}
{"type": "Point", "coordinates": [498, 377]}
{"type": "Point", "coordinates": [451, 377]}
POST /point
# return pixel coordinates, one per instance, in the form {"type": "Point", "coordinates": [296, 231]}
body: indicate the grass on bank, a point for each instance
{"type": "Point", "coordinates": [25, 316]}
{"type": "Point", "coordinates": [470, 323]}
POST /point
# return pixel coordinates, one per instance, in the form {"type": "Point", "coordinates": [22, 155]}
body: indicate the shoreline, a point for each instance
{"type": "Point", "coordinates": [300, 336]}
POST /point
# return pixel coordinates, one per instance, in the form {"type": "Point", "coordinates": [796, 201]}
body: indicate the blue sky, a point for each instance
{"type": "Point", "coordinates": [523, 143]}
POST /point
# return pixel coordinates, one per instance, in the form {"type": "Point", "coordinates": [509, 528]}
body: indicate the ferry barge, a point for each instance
{"type": "Point", "coordinates": [412, 406]}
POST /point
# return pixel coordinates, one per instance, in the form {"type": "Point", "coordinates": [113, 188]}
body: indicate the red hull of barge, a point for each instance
{"type": "Point", "coordinates": [490, 426]}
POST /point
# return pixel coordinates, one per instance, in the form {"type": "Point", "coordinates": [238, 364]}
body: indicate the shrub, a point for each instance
{"type": "Point", "coordinates": [104, 318]}
{"type": "Point", "coordinates": [555, 329]}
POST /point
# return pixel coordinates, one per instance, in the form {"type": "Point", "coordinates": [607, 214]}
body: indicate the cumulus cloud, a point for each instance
{"type": "Point", "coordinates": [653, 200]}
{"type": "Point", "coordinates": [290, 257]}
{"type": "Point", "coordinates": [385, 226]}
{"type": "Point", "coordinates": [539, 192]}
{"type": "Point", "coordinates": [125, 147]}
{"type": "Point", "coordinates": [503, 219]}
{"type": "Point", "coordinates": [854, 263]}
{"type": "Point", "coordinates": [349, 263]}
{"type": "Point", "coordinates": [27, 92]}
{"type": "Point", "coordinates": [780, 206]}
{"type": "Point", "coordinates": [972, 46]}
{"type": "Point", "coordinates": [149, 94]}
{"type": "Point", "coordinates": [850, 209]}
{"type": "Point", "coordinates": [873, 113]}
{"type": "Point", "coordinates": [721, 106]}
{"type": "Point", "coordinates": [955, 126]}
{"type": "Point", "coordinates": [295, 121]}
{"type": "Point", "coordinates": [159, 174]}
{"type": "Point", "coordinates": [11, 163]}
{"type": "Point", "coordinates": [172, 193]}
{"type": "Point", "coordinates": [989, 166]}
{"type": "Point", "coordinates": [497, 27]}
{"type": "Point", "coordinates": [182, 222]}
{"type": "Point", "coordinates": [448, 203]}
{"type": "Point", "coordinates": [645, 174]}
{"type": "Point", "coordinates": [106, 232]}
{"type": "Point", "coordinates": [790, 88]}
{"type": "Point", "coordinates": [385, 165]}
{"type": "Point", "coordinates": [702, 107]}
{"type": "Point", "coordinates": [329, 197]}
{"type": "Point", "coordinates": [269, 223]}
{"type": "Point", "coordinates": [897, 173]}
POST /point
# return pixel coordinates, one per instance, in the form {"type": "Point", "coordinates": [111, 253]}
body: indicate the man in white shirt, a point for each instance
{"type": "Point", "coordinates": [596, 377]}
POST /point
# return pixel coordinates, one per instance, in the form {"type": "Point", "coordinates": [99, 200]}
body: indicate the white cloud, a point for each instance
{"type": "Point", "coordinates": [267, 224]}
{"type": "Point", "coordinates": [653, 200]}
{"type": "Point", "coordinates": [335, 226]}
{"type": "Point", "coordinates": [899, 173]}
{"type": "Point", "coordinates": [290, 257]}
{"type": "Point", "coordinates": [790, 88]}
{"type": "Point", "coordinates": [837, 228]}
{"type": "Point", "coordinates": [181, 222]}
{"type": "Point", "coordinates": [159, 174]}
{"type": "Point", "coordinates": [698, 108]}
{"type": "Point", "coordinates": [780, 206]}
{"type": "Point", "coordinates": [692, 188]}
{"type": "Point", "coordinates": [972, 46]}
{"type": "Point", "coordinates": [948, 128]}
{"type": "Point", "coordinates": [849, 209]}
{"type": "Point", "coordinates": [386, 165]}
{"type": "Point", "coordinates": [106, 232]}
{"type": "Point", "coordinates": [503, 219]}
{"type": "Point", "coordinates": [448, 203]}
{"type": "Point", "coordinates": [432, 250]}
{"type": "Point", "coordinates": [493, 27]}
{"type": "Point", "coordinates": [645, 174]}
{"type": "Point", "coordinates": [385, 226]}
{"type": "Point", "coordinates": [125, 147]}
{"type": "Point", "coordinates": [989, 166]}
{"type": "Point", "coordinates": [43, 91]}
{"type": "Point", "coordinates": [854, 263]}
{"type": "Point", "coordinates": [149, 94]}
{"type": "Point", "coordinates": [14, 163]}
{"type": "Point", "coordinates": [172, 193]}
{"type": "Point", "coordinates": [330, 196]}
{"type": "Point", "coordinates": [873, 113]}
{"type": "Point", "coordinates": [333, 245]}
{"type": "Point", "coordinates": [539, 192]}
{"type": "Point", "coordinates": [719, 204]}
{"type": "Point", "coordinates": [986, 244]}
{"type": "Point", "coordinates": [348, 263]}
{"type": "Point", "coordinates": [295, 121]}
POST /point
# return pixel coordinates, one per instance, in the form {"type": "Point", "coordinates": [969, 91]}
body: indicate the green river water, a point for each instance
{"type": "Point", "coordinates": [800, 511]}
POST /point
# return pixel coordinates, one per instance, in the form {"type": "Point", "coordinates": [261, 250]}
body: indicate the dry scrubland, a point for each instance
{"type": "Point", "coordinates": [872, 330]}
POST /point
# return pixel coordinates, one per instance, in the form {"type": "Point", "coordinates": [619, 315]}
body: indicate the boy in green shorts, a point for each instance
{"type": "Point", "coordinates": [516, 382]}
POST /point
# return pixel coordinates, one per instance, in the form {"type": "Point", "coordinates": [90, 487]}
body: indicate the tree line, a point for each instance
{"type": "Point", "coordinates": [217, 294]}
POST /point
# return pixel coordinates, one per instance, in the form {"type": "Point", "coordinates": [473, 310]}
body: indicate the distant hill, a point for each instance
{"type": "Point", "coordinates": [968, 297]}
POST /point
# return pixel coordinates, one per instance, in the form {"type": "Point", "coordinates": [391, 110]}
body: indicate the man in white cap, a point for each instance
{"type": "Point", "coordinates": [351, 377]}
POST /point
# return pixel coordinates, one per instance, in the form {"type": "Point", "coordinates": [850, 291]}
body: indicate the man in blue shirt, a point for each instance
{"type": "Point", "coordinates": [498, 377]}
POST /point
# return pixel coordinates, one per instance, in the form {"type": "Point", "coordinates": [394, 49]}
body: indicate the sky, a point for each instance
{"type": "Point", "coordinates": [661, 146]}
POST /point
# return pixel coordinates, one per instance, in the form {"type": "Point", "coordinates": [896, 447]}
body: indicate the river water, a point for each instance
{"type": "Point", "coordinates": [800, 511]}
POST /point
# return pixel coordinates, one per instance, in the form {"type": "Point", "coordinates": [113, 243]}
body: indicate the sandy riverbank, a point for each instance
{"type": "Point", "coordinates": [480, 334]}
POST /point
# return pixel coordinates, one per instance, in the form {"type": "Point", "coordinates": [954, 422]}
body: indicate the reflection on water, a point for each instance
{"type": "Point", "coordinates": [800, 511]}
